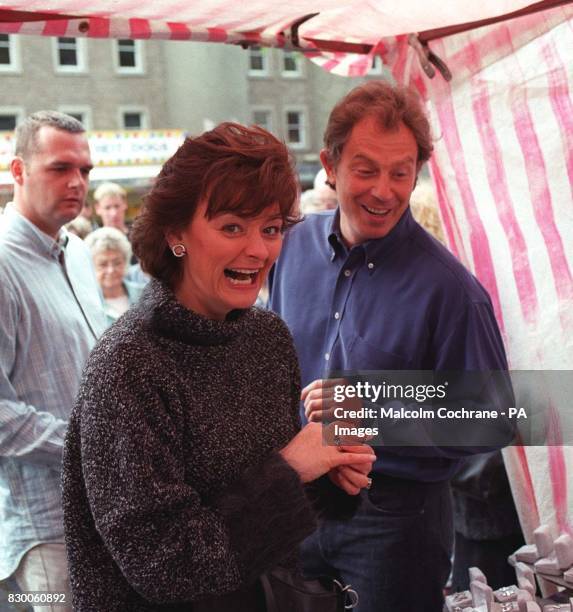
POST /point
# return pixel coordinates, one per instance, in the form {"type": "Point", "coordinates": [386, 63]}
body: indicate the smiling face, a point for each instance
{"type": "Point", "coordinates": [52, 183]}
{"type": "Point", "coordinates": [228, 259]}
{"type": "Point", "coordinates": [110, 269]}
{"type": "Point", "coordinates": [374, 178]}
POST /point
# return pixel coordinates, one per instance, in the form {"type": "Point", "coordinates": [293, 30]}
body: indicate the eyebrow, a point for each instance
{"type": "Point", "coordinates": [364, 158]}
{"type": "Point", "coordinates": [66, 164]}
{"type": "Point", "coordinates": [231, 213]}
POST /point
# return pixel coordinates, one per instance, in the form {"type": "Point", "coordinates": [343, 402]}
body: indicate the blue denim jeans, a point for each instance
{"type": "Point", "coordinates": [395, 552]}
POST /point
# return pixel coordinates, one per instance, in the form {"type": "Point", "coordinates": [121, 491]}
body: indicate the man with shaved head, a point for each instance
{"type": "Point", "coordinates": [51, 318]}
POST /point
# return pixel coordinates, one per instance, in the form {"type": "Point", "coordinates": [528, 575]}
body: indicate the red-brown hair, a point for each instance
{"type": "Point", "coordinates": [235, 168]}
{"type": "Point", "coordinates": [390, 105]}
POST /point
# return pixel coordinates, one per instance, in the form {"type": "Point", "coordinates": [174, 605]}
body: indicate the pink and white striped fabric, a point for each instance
{"type": "Point", "coordinates": [264, 21]}
{"type": "Point", "coordinates": [503, 163]}
{"type": "Point", "coordinates": [503, 172]}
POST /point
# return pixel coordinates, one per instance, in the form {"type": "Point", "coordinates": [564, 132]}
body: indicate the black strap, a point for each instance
{"type": "Point", "coordinates": [62, 260]}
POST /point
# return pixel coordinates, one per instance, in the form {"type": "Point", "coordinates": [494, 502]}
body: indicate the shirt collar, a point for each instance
{"type": "Point", "coordinates": [31, 235]}
{"type": "Point", "coordinates": [376, 249]}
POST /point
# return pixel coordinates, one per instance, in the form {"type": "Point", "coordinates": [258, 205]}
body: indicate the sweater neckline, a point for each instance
{"type": "Point", "coordinates": [168, 317]}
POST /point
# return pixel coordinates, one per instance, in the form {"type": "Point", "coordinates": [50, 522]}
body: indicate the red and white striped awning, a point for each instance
{"type": "Point", "coordinates": [359, 26]}
{"type": "Point", "coordinates": [503, 162]}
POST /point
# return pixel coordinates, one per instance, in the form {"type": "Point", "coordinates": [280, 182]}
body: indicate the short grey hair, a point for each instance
{"type": "Point", "coordinates": [109, 239]}
{"type": "Point", "coordinates": [79, 226]}
{"type": "Point", "coordinates": [107, 189]}
{"type": "Point", "coordinates": [27, 131]}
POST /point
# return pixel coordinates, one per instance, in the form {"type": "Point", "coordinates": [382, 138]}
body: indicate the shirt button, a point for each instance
{"type": "Point", "coordinates": [337, 315]}
{"type": "Point", "coordinates": [326, 356]}
{"type": "Point", "coordinates": [370, 265]}
{"type": "Point", "coordinates": [347, 272]}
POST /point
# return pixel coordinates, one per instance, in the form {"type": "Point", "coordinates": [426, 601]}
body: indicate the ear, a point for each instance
{"type": "Point", "coordinates": [173, 238]}
{"type": "Point", "coordinates": [329, 167]}
{"type": "Point", "coordinates": [17, 170]}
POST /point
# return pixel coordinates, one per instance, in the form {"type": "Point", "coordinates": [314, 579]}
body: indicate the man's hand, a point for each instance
{"type": "Point", "coordinates": [319, 403]}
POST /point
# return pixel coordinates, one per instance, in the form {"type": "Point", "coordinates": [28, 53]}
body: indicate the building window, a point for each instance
{"type": "Point", "coordinates": [8, 122]}
{"type": "Point", "coordinates": [133, 118]}
{"type": "Point", "coordinates": [5, 50]}
{"type": "Point", "coordinates": [128, 56]}
{"type": "Point", "coordinates": [291, 64]}
{"type": "Point", "coordinates": [82, 113]}
{"type": "Point", "coordinates": [10, 116]}
{"type": "Point", "coordinates": [295, 129]}
{"type": "Point", "coordinates": [258, 61]}
{"type": "Point", "coordinates": [70, 54]}
{"type": "Point", "coordinates": [9, 53]}
{"type": "Point", "coordinates": [263, 118]}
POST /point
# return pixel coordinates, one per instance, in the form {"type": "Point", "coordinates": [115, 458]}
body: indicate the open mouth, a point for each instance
{"type": "Point", "coordinates": [377, 212]}
{"type": "Point", "coordinates": [238, 276]}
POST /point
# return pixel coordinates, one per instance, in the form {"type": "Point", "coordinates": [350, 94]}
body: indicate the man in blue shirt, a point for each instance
{"type": "Point", "coordinates": [51, 317]}
{"type": "Point", "coordinates": [364, 287]}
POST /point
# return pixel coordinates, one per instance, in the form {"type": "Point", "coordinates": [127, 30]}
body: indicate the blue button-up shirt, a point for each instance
{"type": "Point", "coordinates": [398, 302]}
{"type": "Point", "coordinates": [49, 319]}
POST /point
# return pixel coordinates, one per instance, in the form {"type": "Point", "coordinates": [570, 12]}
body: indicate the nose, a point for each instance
{"type": "Point", "coordinates": [382, 190]}
{"type": "Point", "coordinates": [76, 178]}
{"type": "Point", "coordinates": [256, 246]}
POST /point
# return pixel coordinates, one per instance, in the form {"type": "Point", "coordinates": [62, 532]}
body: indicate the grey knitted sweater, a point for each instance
{"type": "Point", "coordinates": [173, 488]}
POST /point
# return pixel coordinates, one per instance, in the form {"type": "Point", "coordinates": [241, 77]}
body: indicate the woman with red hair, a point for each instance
{"type": "Point", "coordinates": [185, 471]}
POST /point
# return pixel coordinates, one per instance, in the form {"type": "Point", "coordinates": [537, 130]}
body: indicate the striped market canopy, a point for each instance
{"type": "Point", "coordinates": [322, 26]}
{"type": "Point", "coordinates": [497, 77]}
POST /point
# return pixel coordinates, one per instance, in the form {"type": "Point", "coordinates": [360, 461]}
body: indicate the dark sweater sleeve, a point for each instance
{"type": "Point", "coordinates": [171, 543]}
{"type": "Point", "coordinates": [268, 514]}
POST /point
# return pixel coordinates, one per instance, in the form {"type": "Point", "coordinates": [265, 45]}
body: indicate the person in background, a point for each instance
{"type": "Point", "coordinates": [111, 253]}
{"type": "Point", "coordinates": [87, 213]}
{"type": "Point", "coordinates": [425, 210]}
{"type": "Point", "coordinates": [111, 206]}
{"type": "Point", "coordinates": [321, 197]}
{"type": "Point", "coordinates": [79, 226]}
{"type": "Point", "coordinates": [51, 318]}
{"type": "Point", "coordinates": [364, 287]}
{"type": "Point", "coordinates": [185, 470]}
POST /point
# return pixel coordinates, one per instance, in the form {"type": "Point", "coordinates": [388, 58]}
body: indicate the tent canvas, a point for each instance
{"type": "Point", "coordinates": [503, 163]}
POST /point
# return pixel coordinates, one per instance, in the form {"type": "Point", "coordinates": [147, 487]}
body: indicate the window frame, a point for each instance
{"type": "Point", "coordinates": [81, 55]}
{"type": "Point", "coordinates": [260, 108]}
{"type": "Point", "coordinates": [292, 74]}
{"type": "Point", "coordinates": [138, 48]}
{"type": "Point", "coordinates": [122, 110]}
{"type": "Point", "coordinates": [82, 109]}
{"type": "Point", "coordinates": [297, 146]}
{"type": "Point", "coordinates": [15, 64]}
{"type": "Point", "coordinates": [265, 56]}
{"type": "Point", "coordinates": [17, 111]}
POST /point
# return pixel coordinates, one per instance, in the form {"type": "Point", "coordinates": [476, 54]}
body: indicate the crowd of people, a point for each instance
{"type": "Point", "coordinates": [161, 445]}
